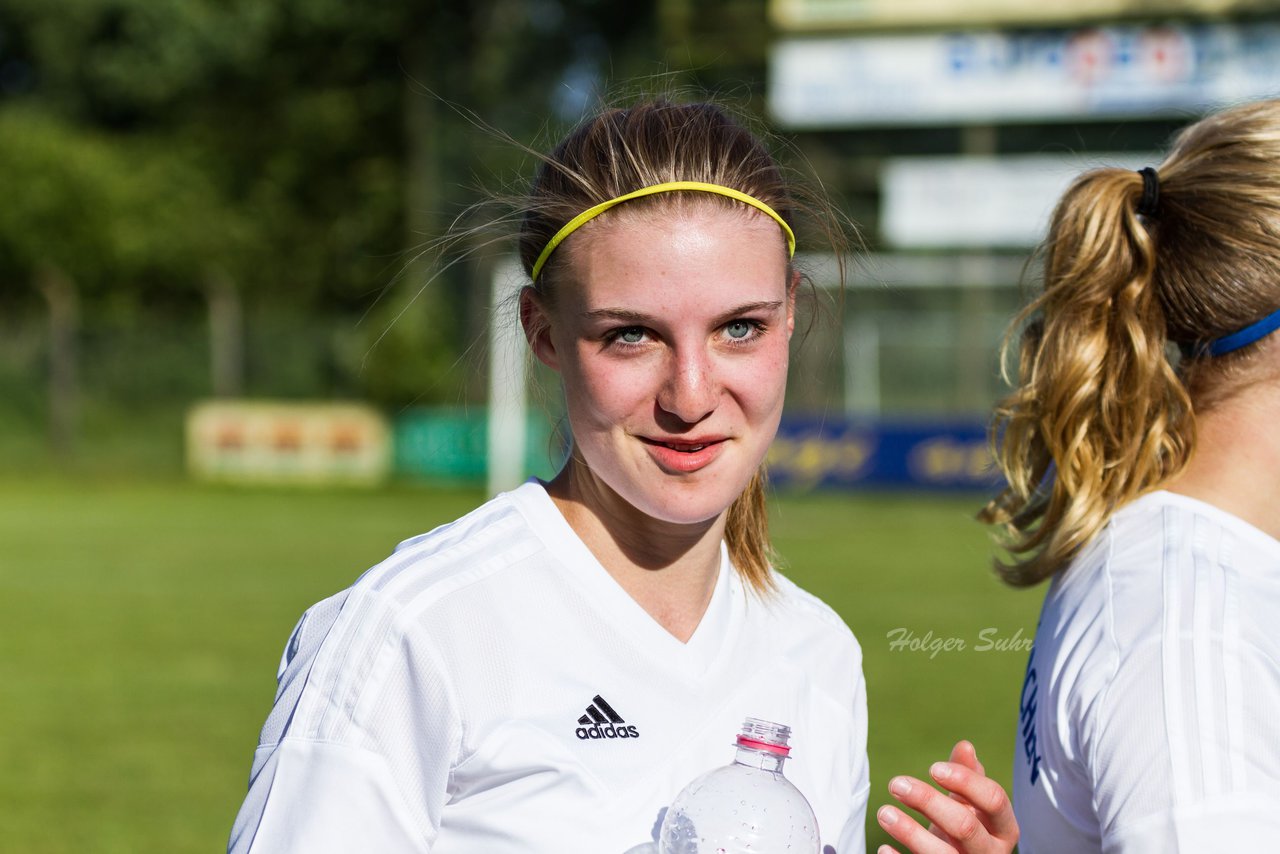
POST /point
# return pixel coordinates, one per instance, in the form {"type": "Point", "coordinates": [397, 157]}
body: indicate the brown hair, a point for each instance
{"type": "Point", "coordinates": [656, 141]}
{"type": "Point", "coordinates": [1103, 411]}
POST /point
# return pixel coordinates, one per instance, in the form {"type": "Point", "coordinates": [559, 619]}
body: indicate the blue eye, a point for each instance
{"type": "Point", "coordinates": [738, 329]}
{"type": "Point", "coordinates": [633, 335]}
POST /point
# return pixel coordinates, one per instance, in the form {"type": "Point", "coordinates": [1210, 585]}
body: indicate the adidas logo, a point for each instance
{"type": "Point", "coordinates": [601, 721]}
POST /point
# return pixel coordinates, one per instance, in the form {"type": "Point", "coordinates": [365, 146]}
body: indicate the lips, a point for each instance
{"type": "Point", "coordinates": [682, 447]}
{"type": "Point", "coordinates": [684, 455]}
{"type": "Point", "coordinates": [687, 446]}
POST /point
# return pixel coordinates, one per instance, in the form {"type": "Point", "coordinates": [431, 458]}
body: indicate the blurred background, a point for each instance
{"type": "Point", "coordinates": [234, 370]}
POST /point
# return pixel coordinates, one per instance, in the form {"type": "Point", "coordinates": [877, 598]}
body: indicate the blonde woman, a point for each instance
{"type": "Point", "coordinates": [1142, 452]}
{"type": "Point", "coordinates": [548, 672]}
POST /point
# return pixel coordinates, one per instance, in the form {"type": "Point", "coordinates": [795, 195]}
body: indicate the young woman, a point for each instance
{"type": "Point", "coordinates": [1146, 486]}
{"type": "Point", "coordinates": [548, 672]}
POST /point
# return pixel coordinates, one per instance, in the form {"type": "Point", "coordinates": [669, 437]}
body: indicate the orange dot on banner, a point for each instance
{"type": "Point", "coordinates": [287, 437]}
{"type": "Point", "coordinates": [346, 438]}
{"type": "Point", "coordinates": [229, 437]}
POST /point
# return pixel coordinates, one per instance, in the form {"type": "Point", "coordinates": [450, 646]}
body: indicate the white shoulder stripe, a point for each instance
{"type": "Point", "coordinates": [446, 551]}
{"type": "Point", "coordinates": [1205, 683]}
{"type": "Point", "coordinates": [1113, 660]}
{"type": "Point", "coordinates": [1201, 657]}
{"type": "Point", "coordinates": [1233, 653]}
{"type": "Point", "coordinates": [1171, 660]}
{"type": "Point", "coordinates": [342, 665]}
{"type": "Point", "coordinates": [382, 607]}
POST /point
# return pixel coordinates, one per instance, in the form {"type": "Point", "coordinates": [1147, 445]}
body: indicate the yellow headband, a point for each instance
{"type": "Point", "coordinates": [669, 187]}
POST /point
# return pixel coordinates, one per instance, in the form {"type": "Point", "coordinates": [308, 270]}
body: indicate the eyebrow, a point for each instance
{"type": "Point", "coordinates": [630, 316]}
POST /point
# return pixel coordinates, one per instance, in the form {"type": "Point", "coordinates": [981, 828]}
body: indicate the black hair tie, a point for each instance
{"type": "Point", "coordinates": [1150, 192]}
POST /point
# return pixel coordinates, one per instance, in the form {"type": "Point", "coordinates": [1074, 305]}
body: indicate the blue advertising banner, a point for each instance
{"type": "Point", "coordinates": [834, 452]}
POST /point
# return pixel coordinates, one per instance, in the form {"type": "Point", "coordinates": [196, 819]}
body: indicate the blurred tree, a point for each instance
{"type": "Point", "coordinates": [85, 213]}
{"type": "Point", "coordinates": [718, 45]}
{"type": "Point", "coordinates": [110, 212]}
{"type": "Point", "coordinates": [304, 153]}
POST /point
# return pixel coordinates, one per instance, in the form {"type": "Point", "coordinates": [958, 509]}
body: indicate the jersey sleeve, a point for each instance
{"type": "Point", "coordinates": [357, 750]}
{"type": "Point", "coordinates": [846, 794]}
{"type": "Point", "coordinates": [324, 798]}
{"type": "Point", "coordinates": [1180, 742]}
{"type": "Point", "coordinates": [1170, 771]}
{"type": "Point", "coordinates": [853, 836]}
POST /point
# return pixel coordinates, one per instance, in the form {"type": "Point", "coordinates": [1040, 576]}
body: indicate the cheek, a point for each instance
{"type": "Point", "coordinates": [761, 383]}
{"type": "Point", "coordinates": [602, 391]}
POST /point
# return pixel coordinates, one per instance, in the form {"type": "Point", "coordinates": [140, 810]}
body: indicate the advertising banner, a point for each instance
{"type": "Point", "coordinates": [450, 443]}
{"type": "Point", "coordinates": [868, 14]}
{"type": "Point", "coordinates": [837, 453]}
{"type": "Point", "coordinates": [245, 441]}
{"type": "Point", "coordinates": [981, 202]}
{"type": "Point", "coordinates": [978, 77]}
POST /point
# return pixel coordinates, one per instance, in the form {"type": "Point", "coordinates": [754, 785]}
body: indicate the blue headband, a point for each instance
{"type": "Point", "coordinates": [1244, 337]}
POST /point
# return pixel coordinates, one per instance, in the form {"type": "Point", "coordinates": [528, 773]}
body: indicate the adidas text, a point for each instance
{"type": "Point", "coordinates": [603, 721]}
{"type": "Point", "coordinates": [607, 731]}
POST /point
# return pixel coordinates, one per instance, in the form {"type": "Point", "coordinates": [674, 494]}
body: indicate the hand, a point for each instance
{"type": "Point", "coordinates": [976, 818]}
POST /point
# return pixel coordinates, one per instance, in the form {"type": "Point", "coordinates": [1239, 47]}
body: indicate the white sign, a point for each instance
{"type": "Point", "coordinates": [980, 202]}
{"type": "Point", "coordinates": [865, 14]}
{"type": "Point", "coordinates": [249, 441]}
{"type": "Point", "coordinates": [989, 76]}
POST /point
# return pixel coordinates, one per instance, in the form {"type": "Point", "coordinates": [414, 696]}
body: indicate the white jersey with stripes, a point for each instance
{"type": "Point", "coordinates": [1150, 712]}
{"type": "Point", "coordinates": [490, 688]}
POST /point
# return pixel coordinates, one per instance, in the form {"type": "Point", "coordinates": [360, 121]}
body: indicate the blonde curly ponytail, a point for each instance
{"type": "Point", "coordinates": [1100, 413]}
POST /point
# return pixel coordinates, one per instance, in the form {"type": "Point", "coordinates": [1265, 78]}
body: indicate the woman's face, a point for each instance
{"type": "Point", "coordinates": [670, 335]}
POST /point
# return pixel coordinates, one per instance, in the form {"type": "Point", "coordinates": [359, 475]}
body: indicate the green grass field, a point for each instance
{"type": "Point", "coordinates": [143, 621]}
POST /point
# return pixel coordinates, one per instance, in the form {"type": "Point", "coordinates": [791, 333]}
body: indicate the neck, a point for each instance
{"type": "Point", "coordinates": [1236, 464]}
{"type": "Point", "coordinates": [669, 569]}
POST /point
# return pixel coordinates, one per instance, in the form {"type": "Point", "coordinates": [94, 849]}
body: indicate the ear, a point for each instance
{"type": "Point", "coordinates": [536, 322]}
{"type": "Point", "coordinates": [793, 288]}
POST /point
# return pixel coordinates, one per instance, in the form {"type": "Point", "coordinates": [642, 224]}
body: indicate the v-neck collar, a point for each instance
{"type": "Point", "coordinates": [715, 631]}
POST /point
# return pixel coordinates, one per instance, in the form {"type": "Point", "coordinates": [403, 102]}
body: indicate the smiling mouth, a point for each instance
{"type": "Point", "coordinates": [684, 447]}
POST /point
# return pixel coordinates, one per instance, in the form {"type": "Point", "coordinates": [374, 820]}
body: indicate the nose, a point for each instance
{"type": "Point", "coordinates": [690, 389]}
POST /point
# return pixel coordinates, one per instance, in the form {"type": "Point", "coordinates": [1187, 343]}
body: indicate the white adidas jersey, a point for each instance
{"type": "Point", "coordinates": [490, 688]}
{"type": "Point", "coordinates": [1150, 713]}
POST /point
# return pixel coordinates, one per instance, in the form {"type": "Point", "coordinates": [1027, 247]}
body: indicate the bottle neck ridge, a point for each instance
{"type": "Point", "coordinates": [764, 760]}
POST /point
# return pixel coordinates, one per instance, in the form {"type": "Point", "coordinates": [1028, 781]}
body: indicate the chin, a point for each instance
{"type": "Point", "coordinates": [686, 504]}
{"type": "Point", "coordinates": [680, 499]}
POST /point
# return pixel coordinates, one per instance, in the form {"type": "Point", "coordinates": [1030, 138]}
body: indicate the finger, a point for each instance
{"type": "Point", "coordinates": [987, 798]}
{"type": "Point", "coordinates": [965, 829]}
{"type": "Point", "coordinates": [941, 834]}
{"type": "Point", "coordinates": [964, 753]}
{"type": "Point", "coordinates": [886, 849]}
{"type": "Point", "coordinates": [908, 831]}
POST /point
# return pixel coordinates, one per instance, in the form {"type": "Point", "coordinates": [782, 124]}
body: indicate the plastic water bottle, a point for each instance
{"type": "Point", "coordinates": [744, 807]}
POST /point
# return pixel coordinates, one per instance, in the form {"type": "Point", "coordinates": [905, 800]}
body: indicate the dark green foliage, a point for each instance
{"type": "Point", "coordinates": [309, 150]}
